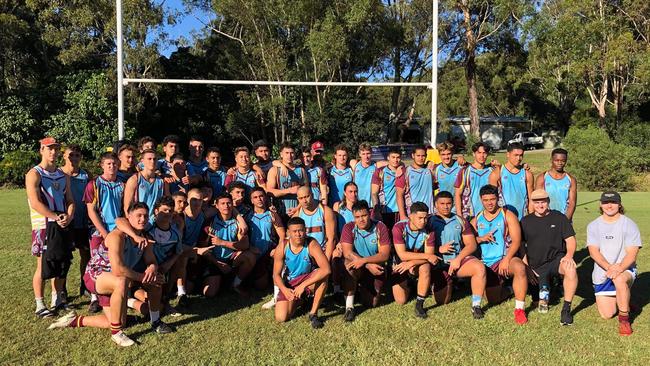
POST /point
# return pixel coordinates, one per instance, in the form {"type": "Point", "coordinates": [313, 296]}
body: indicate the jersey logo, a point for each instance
{"type": "Point", "coordinates": [56, 186]}
{"type": "Point", "coordinates": [609, 237]}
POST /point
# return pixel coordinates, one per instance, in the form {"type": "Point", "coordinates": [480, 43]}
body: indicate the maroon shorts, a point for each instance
{"type": "Point", "coordinates": [372, 283]}
{"type": "Point", "coordinates": [96, 240]}
{"type": "Point", "coordinates": [440, 277]}
{"type": "Point", "coordinates": [493, 277]}
{"type": "Point", "coordinates": [104, 300]}
{"type": "Point", "coordinates": [294, 283]}
{"type": "Point", "coordinates": [262, 267]}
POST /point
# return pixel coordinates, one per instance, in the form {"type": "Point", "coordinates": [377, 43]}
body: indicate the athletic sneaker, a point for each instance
{"type": "Point", "coordinates": [477, 312]}
{"type": "Point", "coordinates": [183, 301]}
{"type": "Point", "coordinates": [269, 304]}
{"type": "Point", "coordinates": [44, 313]}
{"type": "Point", "coordinates": [624, 328]}
{"type": "Point", "coordinates": [315, 321]}
{"type": "Point", "coordinates": [542, 307]}
{"type": "Point", "coordinates": [419, 311]}
{"type": "Point", "coordinates": [122, 339]}
{"type": "Point", "coordinates": [161, 327]}
{"type": "Point", "coordinates": [350, 314]}
{"type": "Point", "coordinates": [64, 321]}
{"type": "Point", "coordinates": [565, 317]}
{"type": "Point", "coordinates": [520, 317]}
{"type": "Point", "coordinates": [94, 307]}
{"type": "Point", "coordinates": [172, 311]}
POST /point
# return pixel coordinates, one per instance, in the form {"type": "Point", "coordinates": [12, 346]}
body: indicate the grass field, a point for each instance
{"type": "Point", "coordinates": [232, 330]}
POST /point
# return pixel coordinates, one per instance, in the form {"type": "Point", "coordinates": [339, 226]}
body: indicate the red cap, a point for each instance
{"type": "Point", "coordinates": [49, 141]}
{"type": "Point", "coordinates": [318, 146]}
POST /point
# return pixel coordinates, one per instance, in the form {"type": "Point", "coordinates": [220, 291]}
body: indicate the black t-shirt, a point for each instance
{"type": "Point", "coordinates": [544, 237]}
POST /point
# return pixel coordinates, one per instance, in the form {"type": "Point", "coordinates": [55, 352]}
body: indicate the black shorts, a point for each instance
{"type": "Point", "coordinates": [389, 219]}
{"type": "Point", "coordinates": [545, 273]}
{"type": "Point", "coordinates": [81, 238]}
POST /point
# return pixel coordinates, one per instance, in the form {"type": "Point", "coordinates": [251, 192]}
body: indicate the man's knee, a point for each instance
{"type": "Point", "coordinates": [621, 281]}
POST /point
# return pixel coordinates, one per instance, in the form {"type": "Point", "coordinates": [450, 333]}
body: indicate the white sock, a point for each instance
{"type": "Point", "coordinates": [349, 301]}
{"type": "Point", "coordinates": [40, 304]}
{"type": "Point", "coordinates": [130, 302]}
{"type": "Point", "coordinates": [55, 298]}
{"type": "Point", "coordinates": [93, 297]}
{"type": "Point", "coordinates": [337, 289]}
{"type": "Point", "coordinates": [236, 282]}
{"type": "Point", "coordinates": [276, 292]}
{"type": "Point", "coordinates": [154, 315]}
{"type": "Point", "coordinates": [181, 290]}
{"type": "Point", "coordinates": [519, 304]}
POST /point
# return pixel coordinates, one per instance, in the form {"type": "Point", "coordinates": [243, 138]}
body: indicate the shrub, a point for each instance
{"type": "Point", "coordinates": [15, 165]}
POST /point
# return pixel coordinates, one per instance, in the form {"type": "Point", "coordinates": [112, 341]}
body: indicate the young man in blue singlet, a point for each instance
{"type": "Point", "coordinates": [146, 186]}
{"type": "Point", "coordinates": [499, 237]}
{"type": "Point", "coordinates": [561, 186]}
{"type": "Point", "coordinates": [294, 273]}
{"type": "Point", "coordinates": [215, 174]}
{"type": "Point", "coordinates": [316, 176]}
{"type": "Point", "coordinates": [363, 170]}
{"type": "Point", "coordinates": [171, 146]}
{"type": "Point", "coordinates": [445, 173]}
{"type": "Point", "coordinates": [262, 151]}
{"type": "Point", "coordinates": [339, 174]}
{"type": "Point", "coordinates": [343, 208]}
{"type": "Point", "coordinates": [284, 187]}
{"type": "Point", "coordinates": [196, 164]}
{"type": "Point", "coordinates": [145, 143]}
{"type": "Point", "coordinates": [416, 184]}
{"type": "Point", "coordinates": [514, 181]}
{"type": "Point", "coordinates": [384, 190]}
{"type": "Point", "coordinates": [244, 171]}
{"type": "Point", "coordinates": [319, 220]}
{"type": "Point", "coordinates": [178, 179]}
{"type": "Point", "coordinates": [470, 180]}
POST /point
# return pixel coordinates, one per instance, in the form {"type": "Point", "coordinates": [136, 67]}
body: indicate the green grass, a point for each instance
{"type": "Point", "coordinates": [539, 160]}
{"type": "Point", "coordinates": [228, 330]}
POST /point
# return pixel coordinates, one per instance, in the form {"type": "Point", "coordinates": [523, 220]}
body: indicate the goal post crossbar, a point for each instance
{"type": "Point", "coordinates": [127, 81]}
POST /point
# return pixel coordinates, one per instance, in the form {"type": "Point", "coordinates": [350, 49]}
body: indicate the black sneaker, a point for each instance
{"type": "Point", "coordinates": [315, 321]}
{"type": "Point", "coordinates": [420, 312]}
{"type": "Point", "coordinates": [565, 317]}
{"type": "Point", "coordinates": [161, 327]}
{"type": "Point", "coordinates": [44, 313]}
{"type": "Point", "coordinates": [350, 314]}
{"type": "Point", "coordinates": [183, 302]}
{"type": "Point", "coordinates": [477, 312]}
{"type": "Point", "coordinates": [94, 307]}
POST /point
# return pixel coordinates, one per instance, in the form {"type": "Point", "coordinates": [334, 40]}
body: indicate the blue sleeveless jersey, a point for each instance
{"type": "Point", "coordinates": [388, 190]}
{"type": "Point", "coordinates": [177, 186]}
{"type": "Point", "coordinates": [448, 230]}
{"type": "Point", "coordinates": [192, 229]}
{"type": "Point", "coordinates": [109, 200]}
{"type": "Point", "coordinates": [558, 191]}
{"type": "Point", "coordinates": [315, 224]}
{"type": "Point", "coordinates": [123, 176]}
{"type": "Point", "coordinates": [164, 166]}
{"type": "Point", "coordinates": [363, 179]}
{"type": "Point", "coordinates": [167, 242]}
{"type": "Point", "coordinates": [420, 184]}
{"type": "Point", "coordinates": [265, 166]}
{"type": "Point", "coordinates": [413, 240]}
{"type": "Point", "coordinates": [472, 181]}
{"type": "Point", "coordinates": [514, 192]}
{"type": "Point", "coordinates": [196, 168]}
{"type": "Point", "coordinates": [248, 179]}
{"type": "Point", "coordinates": [78, 187]}
{"type": "Point", "coordinates": [493, 252]}
{"type": "Point", "coordinates": [366, 242]}
{"type": "Point", "coordinates": [294, 178]}
{"type": "Point", "coordinates": [149, 193]}
{"type": "Point", "coordinates": [336, 180]}
{"type": "Point", "coordinates": [216, 179]}
{"type": "Point", "coordinates": [296, 264]}
{"type": "Point", "coordinates": [446, 176]}
{"type": "Point", "coordinates": [261, 230]}
{"type": "Point", "coordinates": [224, 230]}
{"type": "Point", "coordinates": [314, 175]}
{"type": "Point", "coordinates": [344, 216]}
{"type": "Point", "coordinates": [53, 188]}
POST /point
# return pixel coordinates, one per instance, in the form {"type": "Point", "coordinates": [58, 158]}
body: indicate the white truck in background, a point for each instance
{"type": "Point", "coordinates": [530, 140]}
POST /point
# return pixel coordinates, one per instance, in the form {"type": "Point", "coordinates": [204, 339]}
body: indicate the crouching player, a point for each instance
{"type": "Point", "coordinates": [459, 243]}
{"type": "Point", "coordinates": [110, 273]}
{"type": "Point", "coordinates": [294, 274]}
{"type": "Point", "coordinates": [366, 249]}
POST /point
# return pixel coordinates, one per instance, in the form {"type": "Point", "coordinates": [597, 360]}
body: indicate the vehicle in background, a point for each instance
{"type": "Point", "coordinates": [530, 140]}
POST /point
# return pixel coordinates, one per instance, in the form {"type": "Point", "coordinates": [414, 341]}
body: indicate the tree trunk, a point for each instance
{"type": "Point", "coordinates": [470, 71]}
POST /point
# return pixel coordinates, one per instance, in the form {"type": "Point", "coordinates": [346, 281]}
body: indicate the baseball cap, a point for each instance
{"type": "Point", "coordinates": [538, 194]}
{"type": "Point", "coordinates": [610, 196]}
{"type": "Point", "coordinates": [49, 141]}
{"type": "Point", "coordinates": [318, 146]}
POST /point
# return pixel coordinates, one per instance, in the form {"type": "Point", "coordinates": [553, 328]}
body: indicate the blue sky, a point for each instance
{"type": "Point", "coordinates": [186, 24]}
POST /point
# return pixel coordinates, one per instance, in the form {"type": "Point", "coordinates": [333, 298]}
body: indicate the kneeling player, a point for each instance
{"type": "Point", "coordinates": [109, 274]}
{"type": "Point", "coordinates": [459, 243]}
{"type": "Point", "coordinates": [294, 274]}
{"type": "Point", "coordinates": [415, 255]}
{"type": "Point", "coordinates": [366, 249]}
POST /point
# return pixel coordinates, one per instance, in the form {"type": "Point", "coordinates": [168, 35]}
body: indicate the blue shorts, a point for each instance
{"type": "Point", "coordinates": [607, 288]}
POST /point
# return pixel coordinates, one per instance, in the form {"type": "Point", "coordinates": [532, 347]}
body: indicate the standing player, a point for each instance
{"type": "Point", "coordinates": [196, 165]}
{"type": "Point", "coordinates": [499, 237]}
{"type": "Point", "coordinates": [294, 273]}
{"type": "Point", "coordinates": [515, 182]}
{"type": "Point", "coordinates": [193, 228]}
{"type": "Point", "coordinates": [316, 176]}
{"type": "Point", "coordinates": [363, 171]}
{"type": "Point", "coordinates": [50, 202]}
{"type": "Point", "coordinates": [146, 186]}
{"type": "Point", "coordinates": [170, 147]}
{"type": "Point", "coordinates": [445, 173]}
{"type": "Point", "coordinates": [339, 175]}
{"type": "Point", "coordinates": [455, 243]}
{"type": "Point", "coordinates": [284, 187]}
{"type": "Point", "coordinates": [384, 191]}
{"type": "Point", "coordinates": [562, 188]}
{"type": "Point", "coordinates": [145, 143]}
{"type": "Point", "coordinates": [243, 172]}
{"type": "Point", "coordinates": [126, 155]}
{"type": "Point", "coordinates": [215, 174]}
{"type": "Point", "coordinates": [262, 151]}
{"type": "Point", "coordinates": [470, 181]}
{"type": "Point", "coordinates": [319, 220]}
{"type": "Point", "coordinates": [416, 184]}
{"type": "Point", "coordinates": [179, 179]}
{"type": "Point", "coordinates": [614, 241]}
{"type": "Point", "coordinates": [317, 150]}
{"type": "Point", "coordinates": [366, 249]}
{"type": "Point", "coordinates": [415, 255]}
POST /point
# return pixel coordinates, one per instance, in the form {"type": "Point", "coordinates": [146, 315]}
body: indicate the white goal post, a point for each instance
{"type": "Point", "coordinates": [122, 81]}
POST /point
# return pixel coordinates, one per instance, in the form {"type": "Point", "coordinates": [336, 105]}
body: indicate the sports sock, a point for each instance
{"type": "Point", "coordinates": [519, 304]}
{"type": "Point", "coordinates": [623, 316]}
{"type": "Point", "coordinates": [276, 292]}
{"type": "Point", "coordinates": [78, 322]}
{"type": "Point", "coordinates": [39, 303]}
{"type": "Point", "coordinates": [181, 290]}
{"type": "Point", "coordinates": [419, 300]}
{"type": "Point", "coordinates": [349, 301]}
{"type": "Point", "coordinates": [130, 302]}
{"type": "Point", "coordinates": [54, 298]}
{"type": "Point", "coordinates": [476, 300]}
{"type": "Point", "coordinates": [154, 315]}
{"type": "Point", "coordinates": [93, 297]}
{"type": "Point", "coordinates": [236, 282]}
{"type": "Point", "coordinates": [116, 328]}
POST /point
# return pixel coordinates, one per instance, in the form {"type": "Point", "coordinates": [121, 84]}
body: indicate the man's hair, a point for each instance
{"type": "Point", "coordinates": [212, 149]}
{"type": "Point", "coordinates": [444, 146]}
{"type": "Point", "coordinates": [444, 194]}
{"type": "Point", "coordinates": [170, 138]}
{"type": "Point", "coordinates": [305, 150]}
{"type": "Point", "coordinates": [419, 207]}
{"type": "Point", "coordinates": [360, 206]}
{"type": "Point", "coordinates": [240, 149]}
{"type": "Point", "coordinates": [234, 185]}
{"type": "Point", "coordinates": [488, 189]}
{"type": "Point", "coordinates": [144, 140]}
{"type": "Point", "coordinates": [256, 189]}
{"type": "Point", "coordinates": [621, 209]}
{"type": "Point", "coordinates": [177, 156]}
{"type": "Point", "coordinates": [479, 145]}
{"type": "Point", "coordinates": [179, 194]}
{"type": "Point", "coordinates": [261, 143]}
{"type": "Point", "coordinates": [148, 151]}
{"type": "Point", "coordinates": [107, 155]}
{"type": "Point", "coordinates": [127, 147]}
{"type": "Point", "coordinates": [73, 148]}
{"type": "Point", "coordinates": [364, 146]}
{"type": "Point", "coordinates": [341, 147]}
{"type": "Point", "coordinates": [419, 147]}
{"type": "Point", "coordinates": [286, 145]}
{"type": "Point", "coordinates": [515, 146]}
{"type": "Point", "coordinates": [559, 151]}
{"type": "Point", "coordinates": [136, 206]}
{"type": "Point", "coordinates": [394, 150]}
{"type": "Point", "coordinates": [223, 195]}
{"type": "Point", "coordinates": [295, 221]}
{"type": "Point", "coordinates": [196, 138]}
{"type": "Point", "coordinates": [164, 201]}
{"type": "Point", "coordinates": [350, 183]}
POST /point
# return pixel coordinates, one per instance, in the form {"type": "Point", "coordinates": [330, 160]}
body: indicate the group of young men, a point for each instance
{"type": "Point", "coordinates": [153, 231]}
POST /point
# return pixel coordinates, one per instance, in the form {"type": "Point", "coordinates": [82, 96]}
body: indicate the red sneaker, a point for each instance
{"type": "Point", "coordinates": [624, 328]}
{"type": "Point", "coordinates": [520, 317]}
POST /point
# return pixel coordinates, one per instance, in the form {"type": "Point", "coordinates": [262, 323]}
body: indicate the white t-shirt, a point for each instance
{"type": "Point", "coordinates": [612, 239]}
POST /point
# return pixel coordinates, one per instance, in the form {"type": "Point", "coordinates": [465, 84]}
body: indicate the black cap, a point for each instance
{"type": "Point", "coordinates": [610, 196]}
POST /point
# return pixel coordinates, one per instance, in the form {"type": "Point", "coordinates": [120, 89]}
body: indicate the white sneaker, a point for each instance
{"type": "Point", "coordinates": [64, 321]}
{"type": "Point", "coordinates": [122, 339]}
{"type": "Point", "coordinates": [269, 304]}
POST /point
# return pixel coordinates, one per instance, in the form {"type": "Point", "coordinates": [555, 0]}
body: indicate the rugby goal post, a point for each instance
{"type": "Point", "coordinates": [433, 85]}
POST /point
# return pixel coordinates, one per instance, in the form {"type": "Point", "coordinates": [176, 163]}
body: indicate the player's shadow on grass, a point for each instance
{"type": "Point", "coordinates": [640, 294]}
{"type": "Point", "coordinates": [585, 290]}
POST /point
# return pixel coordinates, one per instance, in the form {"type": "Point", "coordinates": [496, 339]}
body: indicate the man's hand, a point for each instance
{"type": "Point", "coordinates": [288, 293]}
{"type": "Point", "coordinates": [433, 259]}
{"type": "Point", "coordinates": [284, 172]}
{"type": "Point", "coordinates": [447, 248]}
{"type": "Point", "coordinates": [568, 261]}
{"type": "Point", "coordinates": [216, 241]}
{"type": "Point", "coordinates": [169, 179]}
{"type": "Point", "coordinates": [230, 171]}
{"type": "Point", "coordinates": [293, 190]}
{"type": "Point", "coordinates": [298, 291]}
{"type": "Point", "coordinates": [292, 211]}
{"type": "Point", "coordinates": [338, 251]}
{"type": "Point", "coordinates": [149, 275]}
{"type": "Point", "coordinates": [460, 159]}
{"type": "Point", "coordinates": [403, 267]}
{"type": "Point", "coordinates": [204, 250]}
{"type": "Point", "coordinates": [614, 270]}
{"type": "Point", "coordinates": [356, 263]}
{"type": "Point", "coordinates": [454, 265]}
{"type": "Point", "coordinates": [375, 269]}
{"type": "Point", "coordinates": [487, 238]}
{"type": "Point", "coordinates": [63, 220]}
{"type": "Point", "coordinates": [185, 180]}
{"type": "Point", "coordinates": [503, 267]}
{"type": "Point", "coordinates": [495, 163]}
